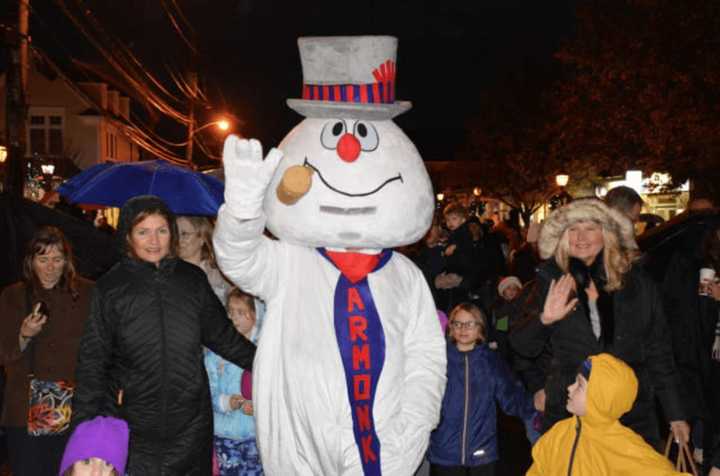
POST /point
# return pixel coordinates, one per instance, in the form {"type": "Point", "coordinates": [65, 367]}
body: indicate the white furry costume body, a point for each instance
{"type": "Point", "coordinates": [303, 417]}
{"type": "Point", "coordinates": [370, 191]}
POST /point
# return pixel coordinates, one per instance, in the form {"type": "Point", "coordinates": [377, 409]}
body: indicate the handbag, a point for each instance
{"type": "Point", "coordinates": [49, 401]}
{"type": "Point", "coordinates": [50, 407]}
{"type": "Point", "coordinates": [684, 461]}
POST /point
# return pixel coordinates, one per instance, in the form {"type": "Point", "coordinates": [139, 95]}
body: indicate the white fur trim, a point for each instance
{"type": "Point", "coordinates": [585, 209]}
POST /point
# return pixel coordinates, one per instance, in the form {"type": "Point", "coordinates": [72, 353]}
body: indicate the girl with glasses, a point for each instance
{"type": "Point", "coordinates": [465, 442]}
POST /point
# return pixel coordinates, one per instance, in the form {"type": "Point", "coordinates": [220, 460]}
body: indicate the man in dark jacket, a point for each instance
{"type": "Point", "coordinates": [141, 356]}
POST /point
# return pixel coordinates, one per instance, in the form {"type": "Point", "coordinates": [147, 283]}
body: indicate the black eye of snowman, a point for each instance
{"type": "Point", "coordinates": [367, 135]}
{"type": "Point", "coordinates": [331, 134]}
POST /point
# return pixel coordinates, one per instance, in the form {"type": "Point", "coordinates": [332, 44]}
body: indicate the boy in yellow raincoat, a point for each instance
{"type": "Point", "coordinates": [594, 442]}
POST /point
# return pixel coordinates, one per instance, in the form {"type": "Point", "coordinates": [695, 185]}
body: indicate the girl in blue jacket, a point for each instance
{"type": "Point", "coordinates": [465, 441]}
{"type": "Point", "coordinates": [234, 441]}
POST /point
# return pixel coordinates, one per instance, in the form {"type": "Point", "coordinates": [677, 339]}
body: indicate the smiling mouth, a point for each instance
{"type": "Point", "coordinates": [348, 194]}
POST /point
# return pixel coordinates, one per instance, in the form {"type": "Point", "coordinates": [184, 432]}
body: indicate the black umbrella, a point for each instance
{"type": "Point", "coordinates": [684, 232]}
{"type": "Point", "coordinates": [95, 251]}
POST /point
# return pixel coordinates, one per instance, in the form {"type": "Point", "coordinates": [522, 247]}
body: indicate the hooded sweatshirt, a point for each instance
{"type": "Point", "coordinates": [597, 444]}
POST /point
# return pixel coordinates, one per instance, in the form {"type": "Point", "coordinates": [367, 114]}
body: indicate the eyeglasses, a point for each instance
{"type": "Point", "coordinates": [464, 325]}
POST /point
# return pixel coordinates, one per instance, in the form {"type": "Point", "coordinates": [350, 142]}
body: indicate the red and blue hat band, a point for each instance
{"type": "Point", "coordinates": [380, 92]}
{"type": "Point", "coordinates": [375, 93]}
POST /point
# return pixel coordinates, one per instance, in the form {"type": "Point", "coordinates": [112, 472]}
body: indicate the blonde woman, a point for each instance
{"type": "Point", "coordinates": [591, 297]}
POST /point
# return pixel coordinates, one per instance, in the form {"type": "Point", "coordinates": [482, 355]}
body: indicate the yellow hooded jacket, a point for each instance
{"type": "Point", "coordinates": [597, 444]}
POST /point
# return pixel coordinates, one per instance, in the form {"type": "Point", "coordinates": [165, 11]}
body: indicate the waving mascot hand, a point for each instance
{"type": "Point", "coordinates": [350, 372]}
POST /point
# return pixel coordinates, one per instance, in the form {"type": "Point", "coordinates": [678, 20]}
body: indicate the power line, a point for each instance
{"type": "Point", "coordinates": [150, 96]}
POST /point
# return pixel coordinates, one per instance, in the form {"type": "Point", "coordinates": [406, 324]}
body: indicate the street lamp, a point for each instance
{"type": "Point", "coordinates": [3, 154]}
{"type": "Point", "coordinates": [222, 124]}
{"type": "Point", "coordinates": [440, 196]}
{"type": "Point", "coordinates": [562, 197]}
{"type": "Point", "coordinates": [48, 169]}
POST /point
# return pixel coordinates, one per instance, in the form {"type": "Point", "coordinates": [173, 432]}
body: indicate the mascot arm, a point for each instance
{"type": "Point", "coordinates": [425, 372]}
{"type": "Point", "coordinates": [246, 257]}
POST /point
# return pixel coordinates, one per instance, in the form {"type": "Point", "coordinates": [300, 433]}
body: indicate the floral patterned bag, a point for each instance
{"type": "Point", "coordinates": [50, 407]}
{"type": "Point", "coordinates": [50, 402]}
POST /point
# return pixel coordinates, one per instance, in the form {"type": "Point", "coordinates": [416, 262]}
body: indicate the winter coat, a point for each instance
{"type": "Point", "coordinates": [462, 260]}
{"type": "Point", "coordinates": [52, 353]}
{"type": "Point", "coordinates": [638, 335]}
{"type": "Point", "coordinates": [467, 433]}
{"type": "Point", "coordinates": [144, 337]}
{"type": "Point", "coordinates": [692, 319]}
{"type": "Point", "coordinates": [597, 444]}
{"type": "Point", "coordinates": [225, 378]}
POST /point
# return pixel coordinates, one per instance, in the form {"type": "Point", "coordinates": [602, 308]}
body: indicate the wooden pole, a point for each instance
{"type": "Point", "coordinates": [16, 108]}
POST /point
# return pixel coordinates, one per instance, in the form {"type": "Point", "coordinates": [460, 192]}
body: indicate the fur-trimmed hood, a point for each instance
{"type": "Point", "coordinates": [585, 209]}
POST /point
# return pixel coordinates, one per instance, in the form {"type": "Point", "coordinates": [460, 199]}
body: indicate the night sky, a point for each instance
{"type": "Point", "coordinates": [451, 55]}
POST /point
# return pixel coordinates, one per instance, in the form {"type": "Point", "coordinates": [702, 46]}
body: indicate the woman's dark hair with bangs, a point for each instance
{"type": "Point", "coordinates": [43, 239]}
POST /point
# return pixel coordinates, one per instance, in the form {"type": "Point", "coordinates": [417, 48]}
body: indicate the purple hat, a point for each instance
{"type": "Point", "coordinates": [442, 317]}
{"type": "Point", "coordinates": [102, 437]}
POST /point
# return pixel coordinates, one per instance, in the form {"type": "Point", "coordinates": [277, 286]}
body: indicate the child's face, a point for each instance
{"type": "Point", "coordinates": [577, 396]}
{"type": "Point", "coordinates": [510, 292]}
{"type": "Point", "coordinates": [241, 315]}
{"type": "Point", "coordinates": [93, 467]}
{"type": "Point", "coordinates": [465, 330]}
{"type": "Point", "coordinates": [454, 222]}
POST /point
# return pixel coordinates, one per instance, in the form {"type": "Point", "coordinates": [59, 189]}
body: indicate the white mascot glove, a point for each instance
{"type": "Point", "coordinates": [247, 176]}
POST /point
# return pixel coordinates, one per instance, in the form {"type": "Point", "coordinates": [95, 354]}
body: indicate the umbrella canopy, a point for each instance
{"type": "Point", "coordinates": [186, 192]}
{"type": "Point", "coordinates": [684, 232]}
{"type": "Point", "coordinates": [95, 251]}
{"type": "Point", "coordinates": [70, 186]}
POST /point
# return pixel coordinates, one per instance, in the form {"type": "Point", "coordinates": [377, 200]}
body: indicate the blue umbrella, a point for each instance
{"type": "Point", "coordinates": [77, 181]}
{"type": "Point", "coordinates": [186, 192]}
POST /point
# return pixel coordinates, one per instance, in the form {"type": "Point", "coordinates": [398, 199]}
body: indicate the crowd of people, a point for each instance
{"type": "Point", "coordinates": [149, 370]}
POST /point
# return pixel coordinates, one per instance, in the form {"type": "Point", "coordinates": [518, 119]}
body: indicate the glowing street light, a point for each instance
{"type": "Point", "coordinates": [440, 197]}
{"type": "Point", "coordinates": [223, 124]}
{"type": "Point", "coordinates": [562, 180]}
{"type": "Point", "coordinates": [3, 154]}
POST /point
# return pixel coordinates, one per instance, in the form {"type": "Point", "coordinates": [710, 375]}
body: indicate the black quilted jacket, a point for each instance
{"type": "Point", "coordinates": [145, 336]}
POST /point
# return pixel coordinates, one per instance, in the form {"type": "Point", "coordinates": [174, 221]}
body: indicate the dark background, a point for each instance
{"type": "Point", "coordinates": [451, 53]}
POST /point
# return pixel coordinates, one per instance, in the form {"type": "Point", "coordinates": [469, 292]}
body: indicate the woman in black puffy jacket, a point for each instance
{"type": "Point", "coordinates": [141, 355]}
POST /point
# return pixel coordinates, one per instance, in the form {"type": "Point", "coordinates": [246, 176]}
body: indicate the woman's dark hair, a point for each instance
{"type": "Point", "coordinates": [45, 238]}
{"type": "Point", "coordinates": [167, 215]}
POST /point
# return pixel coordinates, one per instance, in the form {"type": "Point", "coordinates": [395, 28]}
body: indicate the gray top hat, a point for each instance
{"type": "Point", "coordinates": [349, 76]}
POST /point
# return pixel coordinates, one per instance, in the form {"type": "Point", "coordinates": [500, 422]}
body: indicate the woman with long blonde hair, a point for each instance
{"type": "Point", "coordinates": [591, 297]}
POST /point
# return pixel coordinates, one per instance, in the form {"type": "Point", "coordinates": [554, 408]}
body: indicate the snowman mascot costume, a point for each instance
{"type": "Point", "coordinates": [350, 371]}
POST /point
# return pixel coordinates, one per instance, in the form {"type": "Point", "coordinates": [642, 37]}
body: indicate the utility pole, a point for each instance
{"type": "Point", "coordinates": [192, 79]}
{"type": "Point", "coordinates": [16, 108]}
